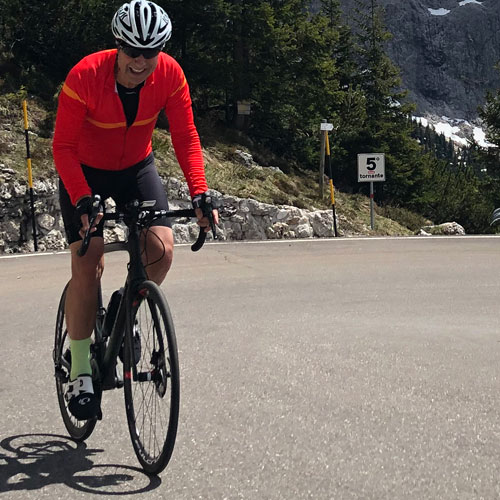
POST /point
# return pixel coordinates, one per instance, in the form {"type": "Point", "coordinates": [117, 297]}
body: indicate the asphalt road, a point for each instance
{"type": "Point", "coordinates": [340, 369]}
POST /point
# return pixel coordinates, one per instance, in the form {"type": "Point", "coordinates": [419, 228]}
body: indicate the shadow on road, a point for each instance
{"type": "Point", "coordinates": [33, 461]}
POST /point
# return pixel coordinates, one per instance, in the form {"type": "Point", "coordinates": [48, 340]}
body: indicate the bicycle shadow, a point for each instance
{"type": "Point", "coordinates": [33, 461]}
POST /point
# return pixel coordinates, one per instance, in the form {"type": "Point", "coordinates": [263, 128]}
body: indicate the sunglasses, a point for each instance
{"type": "Point", "coordinates": [135, 52]}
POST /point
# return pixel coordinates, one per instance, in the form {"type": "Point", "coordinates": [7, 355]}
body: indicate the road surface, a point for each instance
{"type": "Point", "coordinates": [332, 369]}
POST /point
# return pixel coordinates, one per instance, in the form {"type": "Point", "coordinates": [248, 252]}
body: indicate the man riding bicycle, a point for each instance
{"type": "Point", "coordinates": [107, 111]}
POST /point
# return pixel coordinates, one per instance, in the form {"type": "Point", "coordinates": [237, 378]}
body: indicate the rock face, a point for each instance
{"type": "Point", "coordinates": [446, 50]}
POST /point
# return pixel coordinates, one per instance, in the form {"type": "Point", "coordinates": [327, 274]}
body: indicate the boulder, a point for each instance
{"type": "Point", "coordinates": [445, 229]}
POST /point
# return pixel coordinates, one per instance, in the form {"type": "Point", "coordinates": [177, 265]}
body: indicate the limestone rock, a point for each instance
{"type": "Point", "coordinates": [240, 219]}
{"type": "Point", "coordinates": [447, 228]}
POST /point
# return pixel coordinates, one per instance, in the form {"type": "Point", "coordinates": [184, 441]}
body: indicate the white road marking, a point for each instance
{"type": "Point", "coordinates": [286, 241]}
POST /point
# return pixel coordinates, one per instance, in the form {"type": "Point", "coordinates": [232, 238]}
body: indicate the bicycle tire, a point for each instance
{"type": "Point", "coordinates": [152, 400]}
{"type": "Point", "coordinates": [79, 430]}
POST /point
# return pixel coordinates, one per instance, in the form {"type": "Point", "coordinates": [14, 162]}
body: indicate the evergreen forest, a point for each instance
{"type": "Point", "coordinates": [295, 68]}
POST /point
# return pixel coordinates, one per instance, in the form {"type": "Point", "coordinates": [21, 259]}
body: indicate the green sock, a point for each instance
{"type": "Point", "coordinates": [80, 357]}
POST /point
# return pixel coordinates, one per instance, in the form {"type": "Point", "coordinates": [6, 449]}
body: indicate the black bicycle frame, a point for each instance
{"type": "Point", "coordinates": [135, 276]}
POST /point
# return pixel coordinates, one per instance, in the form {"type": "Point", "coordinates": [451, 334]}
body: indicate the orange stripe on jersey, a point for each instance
{"type": "Point", "coordinates": [145, 122]}
{"type": "Point", "coordinates": [179, 88]}
{"type": "Point", "coordinates": [106, 125]}
{"type": "Point", "coordinates": [71, 93]}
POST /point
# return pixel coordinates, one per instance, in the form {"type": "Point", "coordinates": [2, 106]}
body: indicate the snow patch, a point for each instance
{"type": "Point", "coordinates": [423, 121]}
{"type": "Point", "coordinates": [450, 132]}
{"type": "Point", "coordinates": [439, 12]}
{"type": "Point", "coordinates": [455, 129]}
{"type": "Point", "coordinates": [465, 2]}
{"type": "Point", "coordinates": [480, 138]}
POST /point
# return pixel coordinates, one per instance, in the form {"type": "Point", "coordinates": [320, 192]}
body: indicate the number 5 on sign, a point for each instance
{"type": "Point", "coordinates": [371, 164]}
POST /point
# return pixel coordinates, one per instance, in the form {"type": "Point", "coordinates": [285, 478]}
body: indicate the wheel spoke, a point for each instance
{"type": "Point", "coordinates": [77, 429]}
{"type": "Point", "coordinates": [152, 405]}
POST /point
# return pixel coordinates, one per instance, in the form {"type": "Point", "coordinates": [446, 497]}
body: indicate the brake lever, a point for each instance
{"type": "Point", "coordinates": [96, 208]}
{"type": "Point", "coordinates": [212, 225]}
{"type": "Point", "coordinates": [203, 235]}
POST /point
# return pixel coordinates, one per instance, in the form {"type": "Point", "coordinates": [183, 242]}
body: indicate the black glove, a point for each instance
{"type": "Point", "coordinates": [88, 205]}
{"type": "Point", "coordinates": [205, 203]}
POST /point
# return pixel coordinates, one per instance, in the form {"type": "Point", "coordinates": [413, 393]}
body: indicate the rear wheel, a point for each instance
{"type": "Point", "coordinates": [79, 430]}
{"type": "Point", "coordinates": [151, 378]}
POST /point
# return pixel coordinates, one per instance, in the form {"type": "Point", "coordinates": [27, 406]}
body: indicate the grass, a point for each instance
{"type": "Point", "coordinates": [405, 217]}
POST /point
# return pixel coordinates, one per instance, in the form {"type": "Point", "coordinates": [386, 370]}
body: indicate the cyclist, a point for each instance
{"type": "Point", "coordinates": [106, 114]}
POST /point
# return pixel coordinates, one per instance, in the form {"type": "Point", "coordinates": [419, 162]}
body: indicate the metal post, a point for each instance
{"type": "Point", "coordinates": [322, 161]}
{"type": "Point", "coordinates": [30, 175]}
{"type": "Point", "coordinates": [372, 216]}
{"type": "Point", "coordinates": [332, 187]}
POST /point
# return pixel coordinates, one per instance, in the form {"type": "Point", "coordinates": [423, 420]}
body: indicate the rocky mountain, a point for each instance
{"type": "Point", "coordinates": [446, 49]}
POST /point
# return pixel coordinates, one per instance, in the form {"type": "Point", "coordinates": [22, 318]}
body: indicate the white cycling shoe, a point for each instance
{"type": "Point", "coordinates": [82, 402]}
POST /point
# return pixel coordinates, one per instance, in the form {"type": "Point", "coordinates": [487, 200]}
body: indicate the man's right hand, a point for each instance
{"type": "Point", "coordinates": [84, 208]}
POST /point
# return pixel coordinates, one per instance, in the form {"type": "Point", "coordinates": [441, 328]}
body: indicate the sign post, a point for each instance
{"type": "Point", "coordinates": [332, 187]}
{"type": "Point", "coordinates": [371, 168]}
{"type": "Point", "coordinates": [30, 174]}
{"type": "Point", "coordinates": [243, 109]}
{"type": "Point", "coordinates": [325, 127]}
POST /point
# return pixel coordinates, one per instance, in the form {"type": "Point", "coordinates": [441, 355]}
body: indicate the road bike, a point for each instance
{"type": "Point", "coordinates": [137, 328]}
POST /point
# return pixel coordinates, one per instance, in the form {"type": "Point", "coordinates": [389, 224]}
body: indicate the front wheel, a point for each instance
{"type": "Point", "coordinates": [151, 378]}
{"type": "Point", "coordinates": [79, 430]}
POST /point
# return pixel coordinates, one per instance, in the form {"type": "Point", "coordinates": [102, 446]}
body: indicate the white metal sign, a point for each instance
{"type": "Point", "coordinates": [326, 126]}
{"type": "Point", "coordinates": [371, 167]}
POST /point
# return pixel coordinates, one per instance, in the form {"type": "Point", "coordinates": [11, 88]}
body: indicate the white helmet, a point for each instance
{"type": "Point", "coordinates": [141, 24]}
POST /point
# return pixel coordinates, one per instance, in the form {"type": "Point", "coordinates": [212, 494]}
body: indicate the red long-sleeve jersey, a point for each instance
{"type": "Point", "coordinates": [91, 128]}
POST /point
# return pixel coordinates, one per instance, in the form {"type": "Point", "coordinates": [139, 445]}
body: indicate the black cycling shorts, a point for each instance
{"type": "Point", "coordinates": [139, 182]}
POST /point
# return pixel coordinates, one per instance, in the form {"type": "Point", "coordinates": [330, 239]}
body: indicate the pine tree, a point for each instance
{"type": "Point", "coordinates": [45, 39]}
{"type": "Point", "coordinates": [291, 78]}
{"type": "Point", "coordinates": [383, 126]}
{"type": "Point", "coordinates": [202, 41]}
{"type": "Point", "coordinates": [490, 113]}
